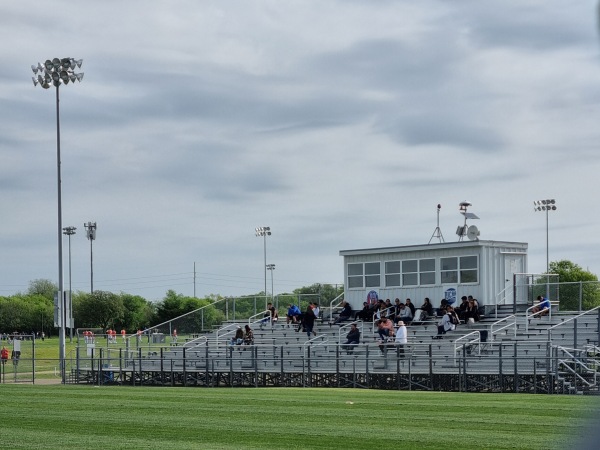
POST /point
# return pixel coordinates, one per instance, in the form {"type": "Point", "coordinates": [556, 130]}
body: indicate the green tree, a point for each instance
{"type": "Point", "coordinates": [101, 309]}
{"type": "Point", "coordinates": [43, 287]}
{"type": "Point", "coordinates": [322, 293]}
{"type": "Point", "coordinates": [26, 313]}
{"type": "Point", "coordinates": [137, 313]}
{"type": "Point", "coordinates": [176, 305]}
{"type": "Point", "coordinates": [581, 282]}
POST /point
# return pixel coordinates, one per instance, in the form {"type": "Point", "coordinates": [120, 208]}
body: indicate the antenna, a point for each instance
{"type": "Point", "coordinates": [463, 230]}
{"type": "Point", "coordinates": [437, 233]}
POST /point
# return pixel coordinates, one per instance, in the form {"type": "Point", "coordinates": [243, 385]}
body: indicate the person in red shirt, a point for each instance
{"type": "Point", "coordinates": [4, 355]}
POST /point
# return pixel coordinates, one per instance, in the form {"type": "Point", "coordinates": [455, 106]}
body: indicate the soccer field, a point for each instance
{"type": "Point", "coordinates": [284, 418]}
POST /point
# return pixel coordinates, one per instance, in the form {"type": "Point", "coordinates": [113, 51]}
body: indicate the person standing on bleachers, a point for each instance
{"type": "Point", "coordinates": [316, 310]}
{"type": "Point", "coordinates": [401, 338]}
{"type": "Point", "coordinates": [308, 321]}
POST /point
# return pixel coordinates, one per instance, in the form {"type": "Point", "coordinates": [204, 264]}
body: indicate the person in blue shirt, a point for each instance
{"type": "Point", "coordinates": [542, 308]}
{"type": "Point", "coordinates": [293, 313]}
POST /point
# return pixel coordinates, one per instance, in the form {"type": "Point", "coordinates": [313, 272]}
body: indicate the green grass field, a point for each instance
{"type": "Point", "coordinates": [59, 416]}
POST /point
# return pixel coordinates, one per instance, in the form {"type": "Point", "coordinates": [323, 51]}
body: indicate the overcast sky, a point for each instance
{"type": "Point", "coordinates": [339, 124]}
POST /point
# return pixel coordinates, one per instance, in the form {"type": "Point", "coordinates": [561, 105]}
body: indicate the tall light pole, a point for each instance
{"type": "Point", "coordinates": [271, 268]}
{"type": "Point", "coordinates": [54, 73]}
{"type": "Point", "coordinates": [91, 235]}
{"type": "Point", "coordinates": [264, 232]}
{"type": "Point", "coordinates": [547, 206]}
{"type": "Point", "coordinates": [70, 231]}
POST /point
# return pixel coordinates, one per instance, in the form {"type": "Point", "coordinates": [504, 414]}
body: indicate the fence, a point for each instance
{"type": "Point", "coordinates": [17, 364]}
{"type": "Point", "coordinates": [476, 367]}
{"type": "Point", "coordinates": [572, 296]}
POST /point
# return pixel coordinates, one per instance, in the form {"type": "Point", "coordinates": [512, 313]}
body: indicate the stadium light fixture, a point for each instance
{"type": "Point", "coordinates": [546, 206]}
{"type": "Point", "coordinates": [54, 73]}
{"type": "Point", "coordinates": [264, 232]}
{"type": "Point", "coordinates": [271, 268]}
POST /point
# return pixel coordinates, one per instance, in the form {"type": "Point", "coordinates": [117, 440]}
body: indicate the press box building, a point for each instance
{"type": "Point", "coordinates": [483, 269]}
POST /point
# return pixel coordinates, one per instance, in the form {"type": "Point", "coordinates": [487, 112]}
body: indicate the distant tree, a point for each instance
{"type": "Point", "coordinates": [137, 313]}
{"type": "Point", "coordinates": [176, 305]}
{"type": "Point", "coordinates": [569, 294]}
{"type": "Point", "coordinates": [26, 314]}
{"type": "Point", "coordinates": [101, 309]}
{"type": "Point", "coordinates": [326, 292]}
{"type": "Point", "coordinates": [43, 287]}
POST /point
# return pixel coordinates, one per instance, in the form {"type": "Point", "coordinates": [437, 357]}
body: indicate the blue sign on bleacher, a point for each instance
{"type": "Point", "coordinates": [372, 297]}
{"type": "Point", "coordinates": [450, 295]}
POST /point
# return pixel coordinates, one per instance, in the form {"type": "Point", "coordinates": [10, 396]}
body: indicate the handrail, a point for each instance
{"type": "Point", "coordinates": [528, 316]}
{"type": "Point", "coordinates": [262, 315]}
{"type": "Point", "coordinates": [147, 330]}
{"type": "Point", "coordinates": [569, 320]}
{"type": "Point", "coordinates": [194, 342]}
{"type": "Point", "coordinates": [513, 324]}
{"type": "Point", "coordinates": [565, 365]}
{"type": "Point", "coordinates": [468, 342]}
{"type": "Point", "coordinates": [226, 327]}
{"type": "Point", "coordinates": [331, 306]}
{"type": "Point", "coordinates": [504, 291]}
{"type": "Point", "coordinates": [309, 343]}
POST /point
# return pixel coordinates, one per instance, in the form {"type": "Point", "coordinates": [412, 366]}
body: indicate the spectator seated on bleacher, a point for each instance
{"type": "Point", "coordinates": [471, 314]}
{"type": "Point", "coordinates": [460, 309]}
{"type": "Point", "coordinates": [270, 316]}
{"type": "Point", "coordinates": [293, 314]}
{"type": "Point", "coordinates": [238, 339]}
{"type": "Point", "coordinates": [352, 339]}
{"type": "Point", "coordinates": [427, 309]}
{"type": "Point", "coordinates": [410, 306]}
{"type": "Point", "coordinates": [385, 328]}
{"type": "Point", "coordinates": [442, 309]}
{"type": "Point", "coordinates": [542, 308]}
{"type": "Point", "coordinates": [248, 336]}
{"type": "Point", "coordinates": [346, 314]}
{"type": "Point", "coordinates": [364, 314]}
{"type": "Point", "coordinates": [404, 315]}
{"type": "Point", "coordinates": [448, 322]}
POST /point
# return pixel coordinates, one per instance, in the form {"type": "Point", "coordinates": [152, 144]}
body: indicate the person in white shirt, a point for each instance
{"type": "Point", "coordinates": [401, 338]}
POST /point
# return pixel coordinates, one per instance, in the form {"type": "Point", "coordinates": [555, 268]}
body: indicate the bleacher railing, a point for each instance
{"type": "Point", "coordinates": [573, 321]}
{"type": "Point", "coordinates": [503, 325]}
{"type": "Point", "coordinates": [539, 314]}
{"type": "Point", "coordinates": [467, 341]}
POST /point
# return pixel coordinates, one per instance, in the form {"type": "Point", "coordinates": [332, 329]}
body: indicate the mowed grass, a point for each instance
{"type": "Point", "coordinates": [285, 418]}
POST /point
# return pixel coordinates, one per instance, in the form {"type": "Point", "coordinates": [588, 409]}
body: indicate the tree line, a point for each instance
{"type": "Point", "coordinates": [33, 311]}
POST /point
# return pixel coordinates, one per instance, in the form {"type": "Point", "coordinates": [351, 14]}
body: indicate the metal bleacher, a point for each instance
{"type": "Point", "coordinates": [509, 352]}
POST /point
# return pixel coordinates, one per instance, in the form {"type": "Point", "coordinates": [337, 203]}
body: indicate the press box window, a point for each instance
{"type": "Point", "coordinates": [392, 273]}
{"type": "Point", "coordinates": [355, 276]}
{"type": "Point", "coordinates": [372, 274]}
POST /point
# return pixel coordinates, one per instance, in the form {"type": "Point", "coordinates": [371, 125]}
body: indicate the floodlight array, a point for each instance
{"type": "Point", "coordinates": [56, 72]}
{"type": "Point", "coordinates": [544, 205]}
{"type": "Point", "coordinates": [263, 231]}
